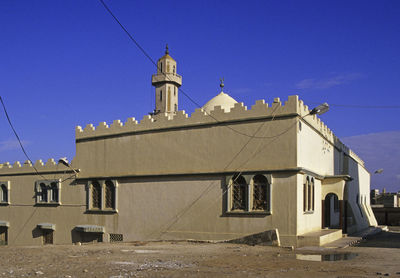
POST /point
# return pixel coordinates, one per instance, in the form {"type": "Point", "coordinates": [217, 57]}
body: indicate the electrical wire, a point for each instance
{"type": "Point", "coordinates": [19, 140]}
{"type": "Point", "coordinates": [363, 106]}
{"type": "Point", "coordinates": [179, 89]}
{"type": "Point", "coordinates": [22, 146]}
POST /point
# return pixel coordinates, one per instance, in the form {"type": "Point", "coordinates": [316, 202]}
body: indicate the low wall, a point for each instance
{"type": "Point", "coordinates": [387, 216]}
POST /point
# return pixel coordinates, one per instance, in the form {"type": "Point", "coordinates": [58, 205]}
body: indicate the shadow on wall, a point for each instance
{"type": "Point", "coordinates": [37, 232]}
{"type": "Point", "coordinates": [82, 237]}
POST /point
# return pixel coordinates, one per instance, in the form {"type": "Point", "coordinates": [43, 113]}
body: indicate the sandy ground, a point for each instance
{"type": "Point", "coordinates": [377, 257]}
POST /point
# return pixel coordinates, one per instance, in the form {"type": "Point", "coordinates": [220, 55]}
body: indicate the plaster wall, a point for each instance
{"type": "Point", "coordinates": [357, 193]}
{"type": "Point", "coordinates": [308, 221]}
{"type": "Point", "coordinates": [179, 207]}
{"type": "Point", "coordinates": [24, 216]}
{"type": "Point", "coordinates": [190, 150]}
{"type": "Point", "coordinates": [313, 150]}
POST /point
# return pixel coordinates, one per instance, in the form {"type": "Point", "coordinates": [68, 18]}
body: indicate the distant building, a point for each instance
{"type": "Point", "coordinates": [221, 173]}
{"type": "Point", "coordinates": [384, 199]}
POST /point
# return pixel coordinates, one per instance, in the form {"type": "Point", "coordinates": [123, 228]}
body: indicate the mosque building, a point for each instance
{"type": "Point", "coordinates": [224, 172]}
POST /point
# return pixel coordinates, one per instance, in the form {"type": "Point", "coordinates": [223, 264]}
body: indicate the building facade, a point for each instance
{"type": "Point", "coordinates": [222, 173]}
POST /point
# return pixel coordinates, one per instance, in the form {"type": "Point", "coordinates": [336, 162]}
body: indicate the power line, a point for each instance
{"type": "Point", "coordinates": [22, 146]}
{"type": "Point", "coordinates": [363, 106]}
{"type": "Point", "coordinates": [19, 141]}
{"type": "Point", "coordinates": [179, 89]}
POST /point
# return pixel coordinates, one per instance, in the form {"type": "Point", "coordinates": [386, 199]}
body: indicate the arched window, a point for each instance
{"type": "Point", "coordinates": [161, 67]}
{"type": "Point", "coordinates": [160, 95]}
{"type": "Point", "coordinates": [176, 107]}
{"type": "Point", "coordinates": [260, 193]}
{"type": "Point", "coordinates": [4, 193]}
{"type": "Point", "coordinates": [43, 190]}
{"type": "Point", "coordinates": [312, 199]}
{"type": "Point", "coordinates": [305, 194]}
{"type": "Point", "coordinates": [110, 194]}
{"type": "Point", "coordinates": [96, 195]}
{"type": "Point", "coordinates": [309, 194]}
{"type": "Point", "coordinates": [239, 193]}
{"type": "Point", "coordinates": [174, 91]}
{"type": "Point", "coordinates": [54, 192]}
{"type": "Point", "coordinates": [173, 69]}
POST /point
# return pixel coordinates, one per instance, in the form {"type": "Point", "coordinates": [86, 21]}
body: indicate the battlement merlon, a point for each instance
{"type": "Point", "coordinates": [293, 106]}
{"type": "Point", "coordinates": [27, 168]}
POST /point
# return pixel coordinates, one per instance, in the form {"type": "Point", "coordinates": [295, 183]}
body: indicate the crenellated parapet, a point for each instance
{"type": "Point", "coordinates": [199, 117]}
{"type": "Point", "coordinates": [26, 168]}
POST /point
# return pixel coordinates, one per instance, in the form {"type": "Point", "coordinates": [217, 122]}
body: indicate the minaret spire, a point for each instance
{"type": "Point", "coordinates": [167, 82]}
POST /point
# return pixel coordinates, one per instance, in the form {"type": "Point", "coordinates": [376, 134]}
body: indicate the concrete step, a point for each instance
{"type": "Point", "coordinates": [319, 238]}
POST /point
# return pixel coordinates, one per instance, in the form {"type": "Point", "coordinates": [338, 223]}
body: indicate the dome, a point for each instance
{"type": "Point", "coordinates": [224, 100]}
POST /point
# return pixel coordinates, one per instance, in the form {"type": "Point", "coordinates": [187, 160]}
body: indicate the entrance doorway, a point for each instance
{"type": "Point", "coordinates": [331, 216]}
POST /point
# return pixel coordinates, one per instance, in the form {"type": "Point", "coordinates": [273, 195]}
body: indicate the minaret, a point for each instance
{"type": "Point", "coordinates": [167, 82]}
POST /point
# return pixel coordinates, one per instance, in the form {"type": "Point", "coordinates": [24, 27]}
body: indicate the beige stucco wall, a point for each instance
{"type": "Point", "coordinates": [150, 208]}
{"type": "Point", "coordinates": [190, 150]}
{"type": "Point", "coordinates": [314, 151]}
{"type": "Point", "coordinates": [308, 221]}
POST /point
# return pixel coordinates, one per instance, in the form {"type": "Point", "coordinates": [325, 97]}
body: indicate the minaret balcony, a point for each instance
{"type": "Point", "coordinates": [166, 77]}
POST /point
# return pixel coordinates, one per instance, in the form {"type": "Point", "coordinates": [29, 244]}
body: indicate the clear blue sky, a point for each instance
{"type": "Point", "coordinates": [67, 63]}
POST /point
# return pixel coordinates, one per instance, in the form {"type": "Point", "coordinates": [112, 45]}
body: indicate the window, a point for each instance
{"type": "Point", "coordinates": [174, 91]}
{"type": "Point", "coordinates": [96, 195]}
{"type": "Point", "coordinates": [260, 193]}
{"type": "Point", "coordinates": [48, 192]}
{"type": "Point", "coordinates": [161, 67]}
{"type": "Point", "coordinates": [110, 194]}
{"type": "Point", "coordinates": [308, 194]}
{"type": "Point", "coordinates": [239, 196]}
{"type": "Point", "coordinates": [161, 95]}
{"type": "Point", "coordinates": [4, 192]}
{"type": "Point", "coordinates": [173, 68]}
{"type": "Point", "coordinates": [102, 196]}
{"type": "Point", "coordinates": [249, 194]}
{"type": "Point", "coordinates": [176, 107]}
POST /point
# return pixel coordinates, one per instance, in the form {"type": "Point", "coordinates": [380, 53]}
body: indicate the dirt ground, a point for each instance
{"type": "Point", "coordinates": [379, 256]}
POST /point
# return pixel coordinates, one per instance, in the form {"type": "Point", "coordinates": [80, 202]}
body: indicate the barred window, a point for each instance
{"type": "Point", "coordinates": [260, 193]}
{"type": "Point", "coordinates": [239, 193]}
{"type": "Point", "coordinates": [4, 193]}
{"type": "Point", "coordinates": [110, 194]}
{"type": "Point", "coordinates": [43, 189]}
{"type": "Point", "coordinates": [96, 195]}
{"type": "Point", "coordinates": [102, 195]}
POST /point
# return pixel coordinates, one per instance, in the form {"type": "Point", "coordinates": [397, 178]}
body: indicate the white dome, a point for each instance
{"type": "Point", "coordinates": [224, 100]}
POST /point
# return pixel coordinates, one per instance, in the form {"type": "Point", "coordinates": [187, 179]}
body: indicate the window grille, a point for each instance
{"type": "Point", "coordinates": [116, 237]}
{"type": "Point", "coordinates": [239, 193]}
{"type": "Point", "coordinates": [96, 195]}
{"type": "Point", "coordinates": [110, 194]}
{"type": "Point", "coordinates": [260, 187]}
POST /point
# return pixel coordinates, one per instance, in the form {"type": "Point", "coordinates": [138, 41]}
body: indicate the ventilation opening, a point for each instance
{"type": "Point", "coordinates": [116, 238]}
